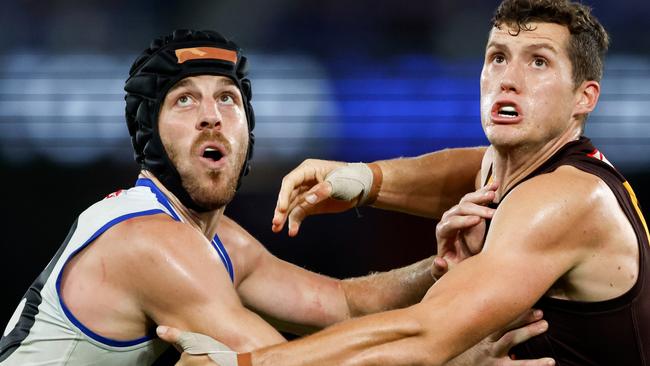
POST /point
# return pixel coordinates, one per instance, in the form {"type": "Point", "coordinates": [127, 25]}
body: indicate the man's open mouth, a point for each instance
{"type": "Point", "coordinates": [212, 154]}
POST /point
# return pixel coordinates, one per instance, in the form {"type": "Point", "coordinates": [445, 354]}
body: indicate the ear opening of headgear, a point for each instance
{"type": "Point", "coordinates": [169, 59]}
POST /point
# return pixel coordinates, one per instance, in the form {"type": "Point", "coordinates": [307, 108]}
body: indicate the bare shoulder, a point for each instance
{"type": "Point", "coordinates": [565, 188]}
{"type": "Point", "coordinates": [158, 253]}
{"type": "Point", "coordinates": [155, 235]}
{"type": "Point", "coordinates": [557, 209]}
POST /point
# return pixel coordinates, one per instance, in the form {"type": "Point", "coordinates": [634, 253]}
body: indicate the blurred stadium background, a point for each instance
{"type": "Point", "coordinates": [354, 81]}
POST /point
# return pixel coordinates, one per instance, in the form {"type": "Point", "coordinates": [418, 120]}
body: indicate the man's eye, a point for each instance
{"type": "Point", "coordinates": [499, 59]}
{"type": "Point", "coordinates": [540, 62]}
{"type": "Point", "coordinates": [226, 99]}
{"type": "Point", "coordinates": [184, 100]}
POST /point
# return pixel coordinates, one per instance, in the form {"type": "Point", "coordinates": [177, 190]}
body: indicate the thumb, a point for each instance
{"type": "Point", "coordinates": [318, 193]}
{"type": "Point", "coordinates": [170, 335]}
{"type": "Point", "coordinates": [306, 205]}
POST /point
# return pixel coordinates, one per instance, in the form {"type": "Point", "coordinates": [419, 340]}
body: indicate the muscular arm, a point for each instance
{"type": "Point", "coordinates": [178, 278]}
{"type": "Point", "coordinates": [297, 300]}
{"type": "Point", "coordinates": [429, 184]}
{"type": "Point", "coordinates": [426, 185]}
{"type": "Point", "coordinates": [539, 230]}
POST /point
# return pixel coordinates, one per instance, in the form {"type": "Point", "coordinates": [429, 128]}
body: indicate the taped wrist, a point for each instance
{"type": "Point", "coordinates": [356, 180]}
{"type": "Point", "coordinates": [202, 345]}
{"type": "Point", "coordinates": [351, 181]}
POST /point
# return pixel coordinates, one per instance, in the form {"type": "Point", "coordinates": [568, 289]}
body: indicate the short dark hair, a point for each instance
{"type": "Point", "coordinates": [588, 41]}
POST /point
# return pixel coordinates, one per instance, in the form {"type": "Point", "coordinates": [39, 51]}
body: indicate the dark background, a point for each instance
{"type": "Point", "coordinates": [398, 77]}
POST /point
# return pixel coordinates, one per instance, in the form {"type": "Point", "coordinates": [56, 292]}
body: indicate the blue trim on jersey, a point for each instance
{"type": "Point", "coordinates": [216, 242]}
{"type": "Point", "coordinates": [159, 195]}
{"type": "Point", "coordinates": [68, 313]}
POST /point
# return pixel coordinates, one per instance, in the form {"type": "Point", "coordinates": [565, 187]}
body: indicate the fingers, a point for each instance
{"type": "Point", "coordinates": [309, 173]}
{"type": "Point", "coordinates": [306, 205]}
{"type": "Point", "coordinates": [472, 204]}
{"type": "Point", "coordinates": [519, 335]}
{"type": "Point", "coordinates": [451, 225]}
{"type": "Point", "coordinates": [298, 196]}
{"type": "Point", "coordinates": [525, 327]}
{"type": "Point", "coordinates": [527, 317]}
{"type": "Point", "coordinates": [469, 207]}
{"type": "Point", "coordinates": [439, 268]}
{"type": "Point", "coordinates": [483, 195]}
{"type": "Point", "coordinates": [303, 174]}
{"type": "Point", "coordinates": [468, 212]}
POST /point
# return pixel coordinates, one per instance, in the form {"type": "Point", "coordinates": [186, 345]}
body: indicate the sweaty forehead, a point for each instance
{"type": "Point", "coordinates": [551, 34]}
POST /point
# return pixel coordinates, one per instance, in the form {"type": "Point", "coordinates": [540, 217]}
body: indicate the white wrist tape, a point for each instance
{"type": "Point", "coordinates": [199, 344]}
{"type": "Point", "coordinates": [351, 181]}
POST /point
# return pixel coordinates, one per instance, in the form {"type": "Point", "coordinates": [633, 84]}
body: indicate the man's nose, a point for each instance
{"type": "Point", "coordinates": [512, 78]}
{"type": "Point", "coordinates": [210, 117]}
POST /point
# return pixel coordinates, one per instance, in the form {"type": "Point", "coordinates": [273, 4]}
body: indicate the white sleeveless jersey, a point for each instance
{"type": "Point", "coordinates": [43, 331]}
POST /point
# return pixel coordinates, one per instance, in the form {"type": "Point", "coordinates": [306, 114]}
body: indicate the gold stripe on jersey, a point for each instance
{"type": "Point", "coordinates": [635, 203]}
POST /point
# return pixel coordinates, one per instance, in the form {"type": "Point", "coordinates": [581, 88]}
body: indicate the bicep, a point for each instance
{"type": "Point", "coordinates": [525, 254]}
{"type": "Point", "coordinates": [190, 289]}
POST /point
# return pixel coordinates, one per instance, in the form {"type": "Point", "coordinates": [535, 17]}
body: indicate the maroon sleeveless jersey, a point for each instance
{"type": "Point", "coordinates": [614, 332]}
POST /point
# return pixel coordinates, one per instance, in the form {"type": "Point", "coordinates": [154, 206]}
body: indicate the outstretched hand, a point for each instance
{"type": "Point", "coordinates": [305, 192]}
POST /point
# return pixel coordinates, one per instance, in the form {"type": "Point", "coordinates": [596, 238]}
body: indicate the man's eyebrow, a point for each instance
{"type": "Point", "coordinates": [543, 45]}
{"type": "Point", "coordinates": [496, 45]}
{"type": "Point", "coordinates": [227, 82]}
{"type": "Point", "coordinates": [181, 84]}
{"type": "Point", "coordinates": [534, 46]}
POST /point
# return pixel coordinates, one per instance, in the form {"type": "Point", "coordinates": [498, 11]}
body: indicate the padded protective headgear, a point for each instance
{"type": "Point", "coordinates": [168, 60]}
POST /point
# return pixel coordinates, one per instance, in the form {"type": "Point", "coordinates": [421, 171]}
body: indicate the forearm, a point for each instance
{"type": "Point", "coordinates": [363, 341]}
{"type": "Point", "coordinates": [383, 291]}
{"type": "Point", "coordinates": [429, 184]}
{"type": "Point", "coordinates": [450, 319]}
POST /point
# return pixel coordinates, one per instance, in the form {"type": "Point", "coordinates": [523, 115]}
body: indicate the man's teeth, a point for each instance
{"type": "Point", "coordinates": [508, 111]}
{"type": "Point", "coordinates": [210, 149]}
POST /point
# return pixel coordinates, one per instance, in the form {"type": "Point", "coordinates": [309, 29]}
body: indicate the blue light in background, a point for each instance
{"type": "Point", "coordinates": [71, 110]}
